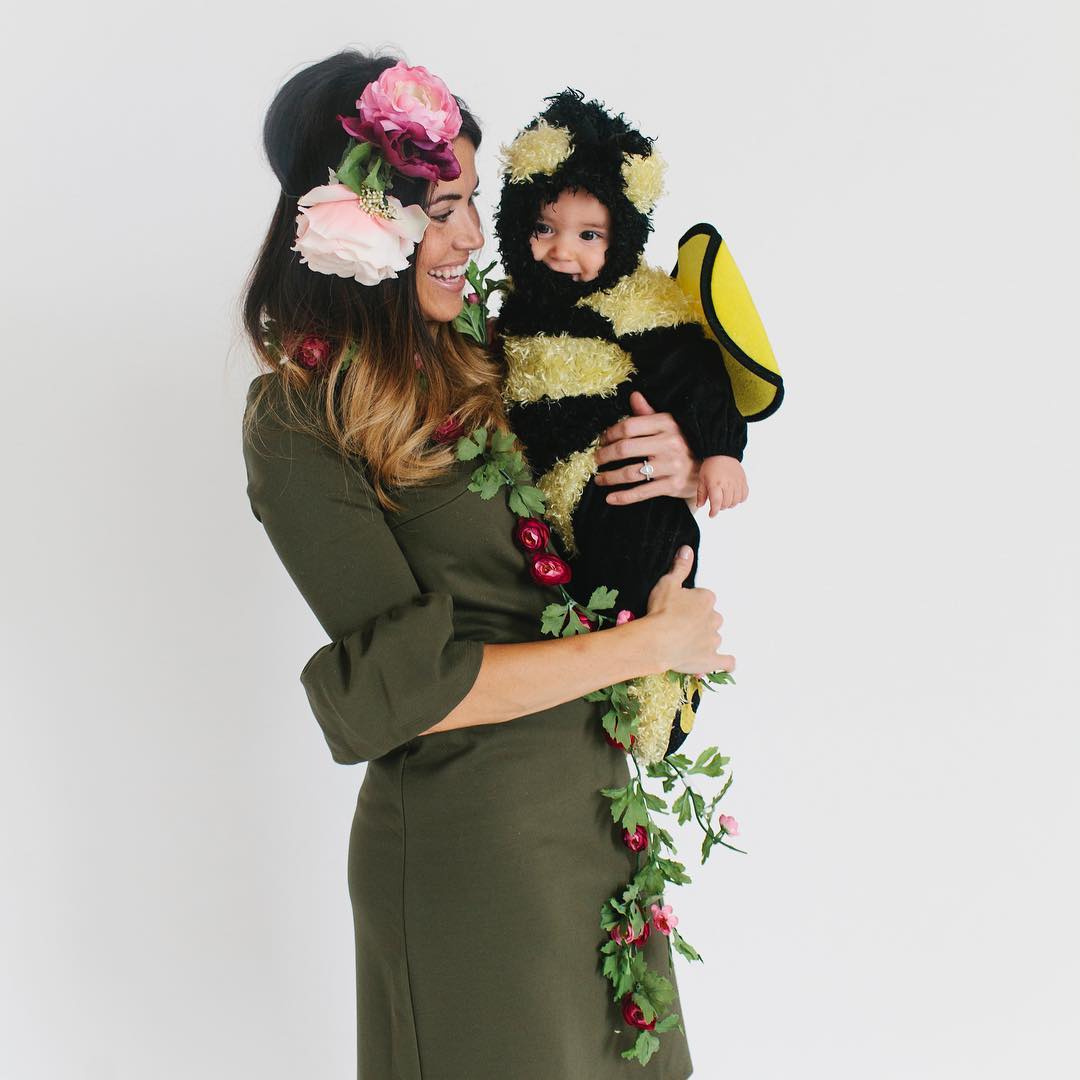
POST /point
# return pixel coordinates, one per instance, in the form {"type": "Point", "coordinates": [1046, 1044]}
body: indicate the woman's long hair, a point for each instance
{"type": "Point", "coordinates": [375, 408]}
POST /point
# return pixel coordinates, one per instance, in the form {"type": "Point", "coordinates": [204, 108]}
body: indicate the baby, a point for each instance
{"type": "Point", "coordinates": [584, 323]}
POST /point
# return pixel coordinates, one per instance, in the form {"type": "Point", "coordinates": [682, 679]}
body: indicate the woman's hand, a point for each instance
{"type": "Point", "coordinates": [652, 435]}
{"type": "Point", "coordinates": [685, 622]}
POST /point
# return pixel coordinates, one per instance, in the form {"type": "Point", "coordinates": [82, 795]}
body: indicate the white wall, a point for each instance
{"type": "Point", "coordinates": [899, 185]}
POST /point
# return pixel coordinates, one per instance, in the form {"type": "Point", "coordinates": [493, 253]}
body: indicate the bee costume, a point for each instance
{"type": "Point", "coordinates": [575, 350]}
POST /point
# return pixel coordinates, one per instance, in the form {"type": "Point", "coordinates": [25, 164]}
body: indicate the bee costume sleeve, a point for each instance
{"type": "Point", "coordinates": [575, 350]}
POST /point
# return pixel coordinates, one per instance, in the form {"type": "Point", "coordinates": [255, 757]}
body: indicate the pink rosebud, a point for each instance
{"type": "Point", "coordinates": [585, 621]}
{"type": "Point", "coordinates": [548, 569]}
{"type": "Point", "coordinates": [638, 840]}
{"type": "Point", "coordinates": [624, 616]}
{"type": "Point", "coordinates": [531, 534]}
{"type": "Point", "coordinates": [313, 352]}
{"type": "Point", "coordinates": [634, 1016]}
{"type": "Point", "coordinates": [728, 824]}
{"type": "Point", "coordinates": [450, 430]}
{"type": "Point", "coordinates": [472, 298]}
{"type": "Point", "coordinates": [662, 918]}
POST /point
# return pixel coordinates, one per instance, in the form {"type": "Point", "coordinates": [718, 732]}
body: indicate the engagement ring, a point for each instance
{"type": "Point", "coordinates": [647, 470]}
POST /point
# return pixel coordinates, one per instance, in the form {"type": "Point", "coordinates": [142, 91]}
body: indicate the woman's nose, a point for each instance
{"type": "Point", "coordinates": [471, 237]}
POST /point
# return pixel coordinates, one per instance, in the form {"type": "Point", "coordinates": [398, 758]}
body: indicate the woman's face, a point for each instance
{"type": "Point", "coordinates": [449, 240]}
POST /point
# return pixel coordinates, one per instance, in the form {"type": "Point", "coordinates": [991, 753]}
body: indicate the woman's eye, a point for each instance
{"type": "Point", "coordinates": [441, 218]}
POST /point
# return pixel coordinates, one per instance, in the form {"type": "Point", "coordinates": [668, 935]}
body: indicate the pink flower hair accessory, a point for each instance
{"type": "Point", "coordinates": [351, 226]}
{"type": "Point", "coordinates": [368, 237]}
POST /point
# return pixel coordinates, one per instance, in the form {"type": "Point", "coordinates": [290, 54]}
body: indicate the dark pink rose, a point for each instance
{"type": "Point", "coordinates": [634, 1016]}
{"type": "Point", "coordinates": [621, 935]}
{"type": "Point", "coordinates": [407, 149]}
{"type": "Point", "coordinates": [618, 745]}
{"type": "Point", "coordinates": [450, 430]}
{"type": "Point", "coordinates": [638, 840]}
{"type": "Point", "coordinates": [531, 534]}
{"type": "Point", "coordinates": [472, 298]}
{"type": "Point", "coordinates": [313, 352]}
{"type": "Point", "coordinates": [585, 621]}
{"type": "Point", "coordinates": [548, 569]}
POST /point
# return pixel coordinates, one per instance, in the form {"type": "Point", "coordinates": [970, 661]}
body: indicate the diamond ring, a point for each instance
{"type": "Point", "coordinates": [647, 470]}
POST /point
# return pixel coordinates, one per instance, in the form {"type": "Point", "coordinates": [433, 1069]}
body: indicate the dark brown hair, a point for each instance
{"type": "Point", "coordinates": [374, 408]}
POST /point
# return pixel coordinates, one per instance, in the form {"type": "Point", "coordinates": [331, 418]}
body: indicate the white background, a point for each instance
{"type": "Point", "coordinates": [898, 183]}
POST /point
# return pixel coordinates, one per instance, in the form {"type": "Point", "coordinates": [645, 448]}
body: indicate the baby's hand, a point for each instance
{"type": "Point", "coordinates": [723, 482]}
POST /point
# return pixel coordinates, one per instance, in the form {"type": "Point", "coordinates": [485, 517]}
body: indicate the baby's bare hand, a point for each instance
{"type": "Point", "coordinates": [723, 483]}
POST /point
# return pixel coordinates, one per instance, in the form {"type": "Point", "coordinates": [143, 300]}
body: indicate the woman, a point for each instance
{"type": "Point", "coordinates": [481, 851]}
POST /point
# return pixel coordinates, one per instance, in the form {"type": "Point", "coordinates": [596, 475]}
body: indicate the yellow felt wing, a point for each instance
{"type": "Point", "coordinates": [707, 273]}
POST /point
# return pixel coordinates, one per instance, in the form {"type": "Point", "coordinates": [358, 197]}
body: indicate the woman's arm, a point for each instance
{"type": "Point", "coordinates": [680, 631]}
{"type": "Point", "coordinates": [393, 662]}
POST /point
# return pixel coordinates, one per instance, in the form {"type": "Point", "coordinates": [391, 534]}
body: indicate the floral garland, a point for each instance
{"type": "Point", "coordinates": [632, 913]}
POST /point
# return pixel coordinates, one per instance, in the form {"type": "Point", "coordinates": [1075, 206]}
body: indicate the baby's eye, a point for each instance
{"type": "Point", "coordinates": [589, 234]}
{"type": "Point", "coordinates": [541, 229]}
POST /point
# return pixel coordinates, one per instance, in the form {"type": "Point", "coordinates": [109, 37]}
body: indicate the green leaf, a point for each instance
{"type": "Point", "coordinates": [646, 1006]}
{"type": "Point", "coordinates": [574, 626]}
{"type": "Point", "coordinates": [602, 598]}
{"type": "Point", "coordinates": [654, 802]}
{"type": "Point", "coordinates": [532, 497]}
{"type": "Point", "coordinates": [610, 721]}
{"type": "Point", "coordinates": [502, 442]}
{"type": "Point", "coordinates": [683, 947]}
{"type": "Point", "coordinates": [669, 1021]}
{"type": "Point", "coordinates": [678, 761]}
{"type": "Point", "coordinates": [681, 806]}
{"type": "Point", "coordinates": [552, 620]}
{"type": "Point", "coordinates": [467, 449]}
{"type": "Point", "coordinates": [596, 695]}
{"type": "Point", "coordinates": [703, 757]}
{"type": "Point", "coordinates": [635, 813]}
{"type": "Point", "coordinates": [659, 991]}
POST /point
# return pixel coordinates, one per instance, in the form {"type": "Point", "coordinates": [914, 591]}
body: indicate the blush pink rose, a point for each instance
{"type": "Point", "coordinates": [728, 824]}
{"type": "Point", "coordinates": [404, 95]}
{"type": "Point", "coordinates": [624, 616]}
{"type": "Point", "coordinates": [662, 918]}
{"type": "Point", "coordinates": [335, 235]}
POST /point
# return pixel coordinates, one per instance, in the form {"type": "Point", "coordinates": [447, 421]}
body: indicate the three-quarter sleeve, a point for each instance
{"type": "Point", "coordinates": [393, 666]}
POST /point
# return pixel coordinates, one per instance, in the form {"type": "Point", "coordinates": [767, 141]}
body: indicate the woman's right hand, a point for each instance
{"type": "Point", "coordinates": [685, 622]}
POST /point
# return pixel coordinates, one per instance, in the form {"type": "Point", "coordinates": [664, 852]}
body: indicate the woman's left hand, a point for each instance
{"type": "Point", "coordinates": [652, 435]}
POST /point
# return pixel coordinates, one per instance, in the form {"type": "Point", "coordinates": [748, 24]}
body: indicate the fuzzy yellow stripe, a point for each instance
{"type": "Point", "coordinates": [556, 366]}
{"type": "Point", "coordinates": [644, 180]}
{"type": "Point", "coordinates": [540, 150]}
{"type": "Point", "coordinates": [659, 698]}
{"type": "Point", "coordinates": [643, 300]}
{"type": "Point", "coordinates": [562, 486]}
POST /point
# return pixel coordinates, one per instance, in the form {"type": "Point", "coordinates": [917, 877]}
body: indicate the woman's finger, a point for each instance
{"type": "Point", "coordinates": [632, 427]}
{"type": "Point", "coordinates": [641, 492]}
{"type": "Point", "coordinates": [662, 446]}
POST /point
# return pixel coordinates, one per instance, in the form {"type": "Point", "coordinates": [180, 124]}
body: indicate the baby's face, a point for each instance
{"type": "Point", "coordinates": [572, 235]}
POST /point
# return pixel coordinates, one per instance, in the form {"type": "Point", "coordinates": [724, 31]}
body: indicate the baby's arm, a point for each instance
{"type": "Point", "coordinates": [723, 482]}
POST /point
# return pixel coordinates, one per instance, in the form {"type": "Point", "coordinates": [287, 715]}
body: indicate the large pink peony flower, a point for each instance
{"type": "Point", "coordinates": [408, 149]}
{"type": "Point", "coordinates": [404, 95]}
{"type": "Point", "coordinates": [336, 235]}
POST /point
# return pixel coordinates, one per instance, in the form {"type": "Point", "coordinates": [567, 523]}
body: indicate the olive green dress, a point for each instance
{"type": "Point", "coordinates": [479, 858]}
